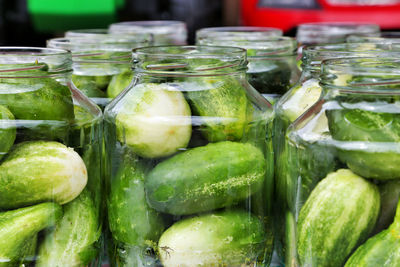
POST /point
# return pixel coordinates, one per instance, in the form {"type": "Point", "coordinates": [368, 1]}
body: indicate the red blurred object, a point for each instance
{"type": "Point", "coordinates": [287, 14]}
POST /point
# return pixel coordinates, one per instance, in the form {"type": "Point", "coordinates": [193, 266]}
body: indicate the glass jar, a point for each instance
{"type": "Point", "coordinates": [333, 32]}
{"type": "Point", "coordinates": [50, 185]}
{"type": "Point", "coordinates": [272, 65]}
{"type": "Point", "coordinates": [190, 162]}
{"type": "Point", "coordinates": [101, 63]}
{"type": "Point", "coordinates": [165, 32]}
{"type": "Point", "coordinates": [341, 158]}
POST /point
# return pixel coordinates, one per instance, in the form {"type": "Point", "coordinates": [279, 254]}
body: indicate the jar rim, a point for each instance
{"type": "Point", "coordinates": [17, 61]}
{"type": "Point", "coordinates": [240, 31]}
{"type": "Point", "coordinates": [148, 26]}
{"type": "Point", "coordinates": [110, 49]}
{"type": "Point", "coordinates": [178, 58]}
{"type": "Point", "coordinates": [372, 39]}
{"type": "Point", "coordinates": [101, 42]}
{"type": "Point", "coordinates": [315, 54]}
{"type": "Point", "coordinates": [380, 72]}
{"type": "Point", "coordinates": [264, 46]}
{"type": "Point", "coordinates": [27, 51]}
{"type": "Point", "coordinates": [86, 32]}
{"type": "Point", "coordinates": [323, 32]}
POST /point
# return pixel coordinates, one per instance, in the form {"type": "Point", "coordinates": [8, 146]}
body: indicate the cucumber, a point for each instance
{"type": "Point", "coordinates": [390, 194]}
{"type": "Point", "coordinates": [223, 106]}
{"type": "Point", "coordinates": [28, 251]}
{"type": "Point", "coordinates": [37, 99]}
{"type": "Point", "coordinates": [206, 178]}
{"type": "Point", "coordinates": [119, 82]}
{"type": "Point", "coordinates": [339, 215]}
{"type": "Point", "coordinates": [368, 127]}
{"type": "Point", "coordinates": [91, 86]}
{"type": "Point", "coordinates": [227, 238]}
{"type": "Point", "coordinates": [7, 131]}
{"type": "Point", "coordinates": [154, 120]}
{"type": "Point", "coordinates": [299, 99]}
{"type": "Point", "coordinates": [18, 227]}
{"type": "Point", "coordinates": [382, 249]}
{"type": "Point", "coordinates": [130, 218]}
{"type": "Point", "coordinates": [72, 241]}
{"type": "Point", "coordinates": [39, 171]}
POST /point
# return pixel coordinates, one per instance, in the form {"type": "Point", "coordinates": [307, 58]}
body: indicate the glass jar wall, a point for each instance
{"type": "Point", "coordinates": [340, 187]}
{"type": "Point", "coordinates": [272, 67]}
{"type": "Point", "coordinates": [190, 162]}
{"type": "Point", "coordinates": [50, 180]}
{"type": "Point", "coordinates": [101, 63]}
{"type": "Point", "coordinates": [165, 32]}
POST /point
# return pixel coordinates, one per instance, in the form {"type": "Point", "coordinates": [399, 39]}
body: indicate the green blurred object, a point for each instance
{"type": "Point", "coordinates": [61, 15]}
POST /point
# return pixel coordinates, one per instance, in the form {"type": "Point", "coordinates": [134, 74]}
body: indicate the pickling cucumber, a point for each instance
{"type": "Point", "coordinates": [338, 216]}
{"type": "Point", "coordinates": [39, 171]}
{"type": "Point", "coordinates": [227, 238]}
{"type": "Point", "coordinates": [206, 178]}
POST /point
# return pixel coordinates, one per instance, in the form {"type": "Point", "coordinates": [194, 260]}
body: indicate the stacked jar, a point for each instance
{"type": "Point", "coordinates": [101, 63]}
{"type": "Point", "coordinates": [272, 67]}
{"type": "Point", "coordinates": [165, 32]}
{"type": "Point", "coordinates": [50, 183]}
{"type": "Point", "coordinates": [342, 159]}
{"type": "Point", "coordinates": [190, 162]}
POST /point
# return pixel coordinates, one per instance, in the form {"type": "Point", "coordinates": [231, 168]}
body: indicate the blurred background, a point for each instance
{"type": "Point", "coordinates": [31, 22]}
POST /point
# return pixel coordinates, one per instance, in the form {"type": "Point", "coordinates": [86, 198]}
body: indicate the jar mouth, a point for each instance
{"type": "Point", "coordinates": [240, 32]}
{"type": "Point", "coordinates": [258, 46]}
{"type": "Point", "coordinates": [189, 60]}
{"type": "Point", "coordinates": [314, 55]}
{"type": "Point", "coordinates": [364, 74]}
{"type": "Point", "coordinates": [326, 32]}
{"type": "Point", "coordinates": [33, 62]}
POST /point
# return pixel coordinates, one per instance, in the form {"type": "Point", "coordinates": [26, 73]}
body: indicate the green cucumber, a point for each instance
{"type": "Point", "coordinates": [154, 120]}
{"type": "Point", "coordinates": [119, 82]}
{"type": "Point", "coordinates": [18, 227]}
{"type": "Point", "coordinates": [39, 171]}
{"type": "Point", "coordinates": [339, 215]}
{"type": "Point", "coordinates": [382, 249]}
{"type": "Point", "coordinates": [131, 220]}
{"type": "Point", "coordinates": [28, 251]}
{"type": "Point", "coordinates": [7, 131]}
{"type": "Point", "coordinates": [72, 241]}
{"type": "Point", "coordinates": [227, 238]}
{"type": "Point", "coordinates": [37, 99]}
{"type": "Point", "coordinates": [290, 241]}
{"type": "Point", "coordinates": [206, 178]}
{"type": "Point", "coordinates": [366, 126]}
{"type": "Point", "coordinates": [91, 86]}
{"type": "Point", "coordinates": [300, 98]}
{"type": "Point", "coordinates": [223, 106]}
{"type": "Point", "coordinates": [390, 194]}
